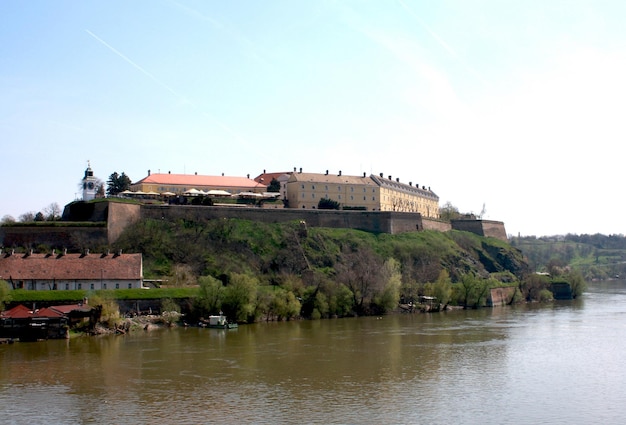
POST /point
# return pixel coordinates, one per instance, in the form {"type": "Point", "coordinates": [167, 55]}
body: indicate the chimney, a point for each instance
{"type": "Point", "coordinates": [410, 183]}
{"type": "Point", "coordinates": [264, 171]}
{"type": "Point", "coordinates": [300, 170]}
{"type": "Point", "coordinates": [195, 173]}
{"type": "Point", "coordinates": [340, 172]}
{"type": "Point", "coordinates": [398, 179]}
{"type": "Point", "coordinates": [381, 175]}
{"type": "Point", "coordinates": [294, 169]}
{"type": "Point", "coordinates": [248, 175]}
{"type": "Point", "coordinates": [169, 172]}
{"type": "Point", "coordinates": [148, 172]}
{"type": "Point", "coordinates": [326, 172]}
{"type": "Point", "coordinates": [389, 177]}
{"type": "Point", "coordinates": [363, 173]}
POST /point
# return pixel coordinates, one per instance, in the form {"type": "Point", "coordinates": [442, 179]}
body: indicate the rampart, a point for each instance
{"type": "Point", "coordinates": [371, 221]}
{"type": "Point", "coordinates": [488, 228]}
{"type": "Point", "coordinates": [118, 216]}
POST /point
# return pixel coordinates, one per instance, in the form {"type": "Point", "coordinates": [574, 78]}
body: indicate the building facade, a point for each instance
{"type": "Point", "coordinates": [180, 183]}
{"type": "Point", "coordinates": [65, 271]}
{"type": "Point", "coordinates": [365, 193]}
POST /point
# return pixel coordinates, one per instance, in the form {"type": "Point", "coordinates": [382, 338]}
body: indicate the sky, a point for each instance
{"type": "Point", "coordinates": [511, 108]}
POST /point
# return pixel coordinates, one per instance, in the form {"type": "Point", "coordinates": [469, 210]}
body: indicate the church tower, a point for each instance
{"type": "Point", "coordinates": [89, 184]}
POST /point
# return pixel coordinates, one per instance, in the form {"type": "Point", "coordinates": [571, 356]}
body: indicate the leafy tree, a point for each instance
{"type": "Point", "coordinates": [117, 183]}
{"type": "Point", "coordinates": [274, 186]}
{"type": "Point", "coordinates": [327, 204]}
{"type": "Point", "coordinates": [388, 298]}
{"type": "Point", "coordinates": [5, 294]}
{"type": "Point", "coordinates": [240, 296]}
{"type": "Point", "coordinates": [577, 283]}
{"type": "Point", "coordinates": [209, 300]}
{"type": "Point", "coordinates": [39, 217]}
{"type": "Point", "coordinates": [449, 212]}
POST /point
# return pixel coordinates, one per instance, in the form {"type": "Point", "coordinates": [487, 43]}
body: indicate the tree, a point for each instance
{"type": "Point", "coordinates": [240, 296]}
{"type": "Point", "coordinates": [7, 219]}
{"type": "Point", "coordinates": [449, 212]}
{"type": "Point", "coordinates": [52, 212]}
{"type": "Point", "coordinates": [274, 186]}
{"type": "Point", "coordinates": [360, 270]}
{"type": "Point", "coordinates": [327, 204]}
{"type": "Point", "coordinates": [209, 300]}
{"type": "Point", "coordinates": [5, 294]}
{"type": "Point", "coordinates": [117, 183]}
{"type": "Point", "coordinates": [39, 217]}
{"type": "Point", "coordinates": [27, 217]}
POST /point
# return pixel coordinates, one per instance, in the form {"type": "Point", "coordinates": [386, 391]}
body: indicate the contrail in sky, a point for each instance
{"type": "Point", "coordinates": [169, 89]}
{"type": "Point", "coordinates": [127, 59]}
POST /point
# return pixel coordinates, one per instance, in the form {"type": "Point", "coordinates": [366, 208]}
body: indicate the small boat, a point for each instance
{"type": "Point", "coordinates": [220, 322]}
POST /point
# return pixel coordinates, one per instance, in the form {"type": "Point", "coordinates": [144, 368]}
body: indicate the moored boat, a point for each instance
{"type": "Point", "coordinates": [220, 322]}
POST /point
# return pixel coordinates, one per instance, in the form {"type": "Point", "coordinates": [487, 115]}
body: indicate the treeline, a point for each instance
{"type": "Point", "coordinates": [596, 256]}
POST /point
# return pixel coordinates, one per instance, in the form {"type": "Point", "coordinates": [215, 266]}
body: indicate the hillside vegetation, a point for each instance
{"type": "Point", "coordinates": [596, 257]}
{"type": "Point", "coordinates": [254, 270]}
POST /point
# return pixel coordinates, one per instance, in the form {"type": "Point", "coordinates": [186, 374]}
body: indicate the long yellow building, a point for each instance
{"type": "Point", "coordinates": [367, 193]}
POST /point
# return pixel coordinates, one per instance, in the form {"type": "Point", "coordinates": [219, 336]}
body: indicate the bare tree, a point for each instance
{"type": "Point", "coordinates": [360, 271]}
{"type": "Point", "coordinates": [52, 212]}
{"type": "Point", "coordinates": [27, 217]}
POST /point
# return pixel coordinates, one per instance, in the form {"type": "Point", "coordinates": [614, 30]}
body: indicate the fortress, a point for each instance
{"type": "Point", "coordinates": [371, 203]}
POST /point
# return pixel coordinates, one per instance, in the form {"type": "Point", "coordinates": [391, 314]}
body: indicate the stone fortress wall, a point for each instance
{"type": "Point", "coordinates": [118, 216]}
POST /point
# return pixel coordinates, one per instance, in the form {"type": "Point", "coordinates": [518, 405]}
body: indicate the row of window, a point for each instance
{"type": "Point", "coordinates": [339, 188]}
{"type": "Point", "coordinates": [339, 197]}
{"type": "Point", "coordinates": [20, 285]}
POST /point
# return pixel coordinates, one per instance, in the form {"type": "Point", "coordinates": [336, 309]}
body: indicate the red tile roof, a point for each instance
{"type": "Point", "coordinates": [17, 312]}
{"type": "Point", "coordinates": [194, 180]}
{"type": "Point", "coordinates": [71, 266]}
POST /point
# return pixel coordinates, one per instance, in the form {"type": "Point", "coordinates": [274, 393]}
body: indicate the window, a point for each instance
{"type": "Point", "coordinates": [326, 187]}
{"type": "Point", "coordinates": [351, 189]}
{"type": "Point", "coordinates": [302, 186]}
{"type": "Point", "coordinates": [312, 195]}
{"type": "Point", "coordinates": [313, 187]}
{"type": "Point", "coordinates": [104, 286]}
{"type": "Point", "coordinates": [67, 286]}
{"type": "Point", "coordinates": [117, 286]}
{"type": "Point", "coordinates": [91, 286]}
{"type": "Point", "coordinates": [338, 188]}
{"type": "Point", "coordinates": [80, 286]}
{"type": "Point", "coordinates": [130, 285]}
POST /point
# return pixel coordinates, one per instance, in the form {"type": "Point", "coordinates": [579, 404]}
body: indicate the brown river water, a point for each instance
{"type": "Point", "coordinates": [560, 363]}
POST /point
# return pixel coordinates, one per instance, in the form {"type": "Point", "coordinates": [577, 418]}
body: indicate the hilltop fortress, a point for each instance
{"type": "Point", "coordinates": [370, 203]}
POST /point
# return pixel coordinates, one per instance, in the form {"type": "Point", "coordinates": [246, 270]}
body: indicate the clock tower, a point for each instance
{"type": "Point", "coordinates": [89, 184]}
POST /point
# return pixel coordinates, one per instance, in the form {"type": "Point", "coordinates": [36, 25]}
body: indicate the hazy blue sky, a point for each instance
{"type": "Point", "coordinates": [517, 105]}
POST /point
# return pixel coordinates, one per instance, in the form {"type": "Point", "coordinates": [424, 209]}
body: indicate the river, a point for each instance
{"type": "Point", "coordinates": [560, 363]}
